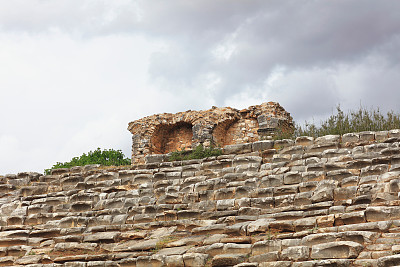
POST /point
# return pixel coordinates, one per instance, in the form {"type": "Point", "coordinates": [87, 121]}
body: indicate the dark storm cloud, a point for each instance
{"type": "Point", "coordinates": [241, 43]}
{"type": "Point", "coordinates": [265, 35]}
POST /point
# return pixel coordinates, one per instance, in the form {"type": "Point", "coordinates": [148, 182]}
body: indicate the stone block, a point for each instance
{"type": "Point", "coordinates": [102, 237]}
{"type": "Point", "coordinates": [374, 170]}
{"type": "Point", "coordinates": [367, 136]}
{"type": "Point", "coordinates": [345, 193]}
{"type": "Point", "coordinates": [238, 148]}
{"type": "Point", "coordinates": [393, 260]}
{"type": "Point", "coordinates": [233, 248]}
{"type": "Point", "coordinates": [304, 140]}
{"type": "Point", "coordinates": [292, 177]}
{"type": "Point", "coordinates": [350, 218]}
{"type": "Point", "coordinates": [338, 175]}
{"type": "Point", "coordinates": [293, 150]}
{"type": "Point", "coordinates": [240, 160]}
{"type": "Point", "coordinates": [262, 203]}
{"type": "Point", "coordinates": [304, 223]}
{"type": "Point", "coordinates": [228, 259]}
{"type": "Point", "coordinates": [324, 191]}
{"type": "Point", "coordinates": [265, 257]}
{"type": "Point", "coordinates": [286, 190]}
{"type": "Point", "coordinates": [271, 181]}
{"type": "Point", "coordinates": [327, 139]}
{"type": "Point", "coordinates": [262, 145]}
{"type": "Point", "coordinates": [154, 261]}
{"type": "Point", "coordinates": [320, 238]}
{"type": "Point", "coordinates": [195, 259]}
{"type": "Point", "coordinates": [296, 253]}
{"type": "Point", "coordinates": [281, 226]}
{"type": "Point", "coordinates": [276, 264]}
{"type": "Point", "coordinates": [262, 247]}
{"type": "Point", "coordinates": [326, 221]}
{"type": "Point", "coordinates": [154, 158]}
{"type": "Point", "coordinates": [336, 250]}
{"type": "Point", "coordinates": [350, 138]}
{"type": "Point", "coordinates": [174, 261]}
{"type": "Point", "coordinates": [210, 229]}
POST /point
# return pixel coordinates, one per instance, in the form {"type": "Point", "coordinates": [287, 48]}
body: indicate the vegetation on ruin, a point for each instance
{"type": "Point", "coordinates": [199, 152]}
{"type": "Point", "coordinates": [106, 157]}
{"type": "Point", "coordinates": [342, 122]}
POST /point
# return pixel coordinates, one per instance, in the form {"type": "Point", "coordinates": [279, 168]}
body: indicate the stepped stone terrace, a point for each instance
{"type": "Point", "coordinates": [330, 201]}
{"type": "Point", "coordinates": [164, 133]}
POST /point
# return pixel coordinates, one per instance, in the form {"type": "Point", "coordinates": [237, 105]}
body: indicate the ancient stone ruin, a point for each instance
{"type": "Point", "coordinates": [164, 133]}
{"type": "Point", "coordinates": [329, 201]}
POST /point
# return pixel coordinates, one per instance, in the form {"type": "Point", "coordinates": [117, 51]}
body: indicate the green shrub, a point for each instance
{"type": "Point", "coordinates": [351, 122]}
{"type": "Point", "coordinates": [199, 152]}
{"type": "Point", "coordinates": [106, 157]}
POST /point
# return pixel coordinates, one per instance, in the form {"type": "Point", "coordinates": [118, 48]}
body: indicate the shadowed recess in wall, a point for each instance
{"type": "Point", "coordinates": [164, 133]}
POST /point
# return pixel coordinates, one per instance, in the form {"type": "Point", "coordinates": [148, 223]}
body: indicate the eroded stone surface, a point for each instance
{"type": "Point", "coordinates": [297, 206]}
{"type": "Point", "coordinates": [163, 133]}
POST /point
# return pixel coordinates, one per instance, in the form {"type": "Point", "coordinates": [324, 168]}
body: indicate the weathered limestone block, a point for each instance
{"type": "Point", "coordinates": [292, 177]}
{"type": "Point", "coordinates": [324, 191]}
{"type": "Point", "coordinates": [387, 261]}
{"type": "Point", "coordinates": [195, 259]}
{"type": "Point", "coordinates": [295, 253]}
{"type": "Point", "coordinates": [102, 237]}
{"type": "Point", "coordinates": [262, 247]}
{"type": "Point", "coordinates": [345, 193]}
{"type": "Point", "coordinates": [338, 175]}
{"type": "Point", "coordinates": [174, 261]}
{"type": "Point", "coordinates": [336, 250]}
{"type": "Point", "coordinates": [233, 248]}
{"type": "Point", "coordinates": [304, 140]}
{"type": "Point", "coordinates": [374, 214]}
{"type": "Point", "coordinates": [327, 139]}
{"type": "Point", "coordinates": [388, 176]}
{"type": "Point", "coordinates": [374, 170]}
{"type": "Point", "coordinates": [262, 145]}
{"type": "Point", "coordinates": [238, 148]}
{"type": "Point", "coordinates": [286, 190]}
{"type": "Point", "coordinates": [74, 246]}
{"type": "Point", "coordinates": [263, 202]}
{"type": "Point", "coordinates": [272, 181]}
{"type": "Point", "coordinates": [350, 218]}
{"type": "Point", "coordinates": [135, 245]}
{"type": "Point", "coordinates": [228, 259]}
{"type": "Point", "coordinates": [276, 264]}
{"type": "Point", "coordinates": [154, 261]}
{"type": "Point", "coordinates": [304, 223]}
{"type": "Point", "coordinates": [349, 138]}
{"type": "Point", "coordinates": [210, 229]}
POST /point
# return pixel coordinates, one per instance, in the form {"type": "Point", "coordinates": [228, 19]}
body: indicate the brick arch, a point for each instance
{"type": "Point", "coordinates": [171, 137]}
{"type": "Point", "coordinates": [220, 133]}
{"type": "Point", "coordinates": [236, 131]}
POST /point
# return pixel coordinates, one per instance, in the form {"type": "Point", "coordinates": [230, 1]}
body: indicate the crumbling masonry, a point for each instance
{"type": "Point", "coordinates": [164, 133]}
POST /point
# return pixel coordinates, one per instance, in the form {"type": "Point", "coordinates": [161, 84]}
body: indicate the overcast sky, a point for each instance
{"type": "Point", "coordinates": [73, 73]}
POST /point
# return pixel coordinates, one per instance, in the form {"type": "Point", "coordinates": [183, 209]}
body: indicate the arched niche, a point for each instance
{"type": "Point", "coordinates": [236, 132]}
{"type": "Point", "coordinates": [171, 137]}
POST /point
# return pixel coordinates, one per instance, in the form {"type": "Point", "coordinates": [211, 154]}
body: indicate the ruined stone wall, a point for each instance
{"type": "Point", "coordinates": [164, 133]}
{"type": "Point", "coordinates": [332, 201]}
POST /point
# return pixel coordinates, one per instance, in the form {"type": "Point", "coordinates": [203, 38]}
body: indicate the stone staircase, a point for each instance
{"type": "Point", "coordinates": [332, 201]}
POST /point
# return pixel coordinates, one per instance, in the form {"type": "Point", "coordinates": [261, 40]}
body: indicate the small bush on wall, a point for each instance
{"type": "Point", "coordinates": [199, 152]}
{"type": "Point", "coordinates": [106, 157]}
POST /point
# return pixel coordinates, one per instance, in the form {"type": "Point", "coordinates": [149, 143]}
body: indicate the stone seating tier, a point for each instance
{"type": "Point", "coordinates": [332, 201]}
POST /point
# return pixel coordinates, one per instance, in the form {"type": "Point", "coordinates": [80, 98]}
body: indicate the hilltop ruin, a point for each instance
{"type": "Point", "coordinates": [164, 133]}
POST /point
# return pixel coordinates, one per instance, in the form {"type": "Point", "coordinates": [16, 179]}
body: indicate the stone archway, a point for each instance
{"type": "Point", "coordinates": [236, 132]}
{"type": "Point", "coordinates": [220, 135]}
{"type": "Point", "coordinates": [172, 137]}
